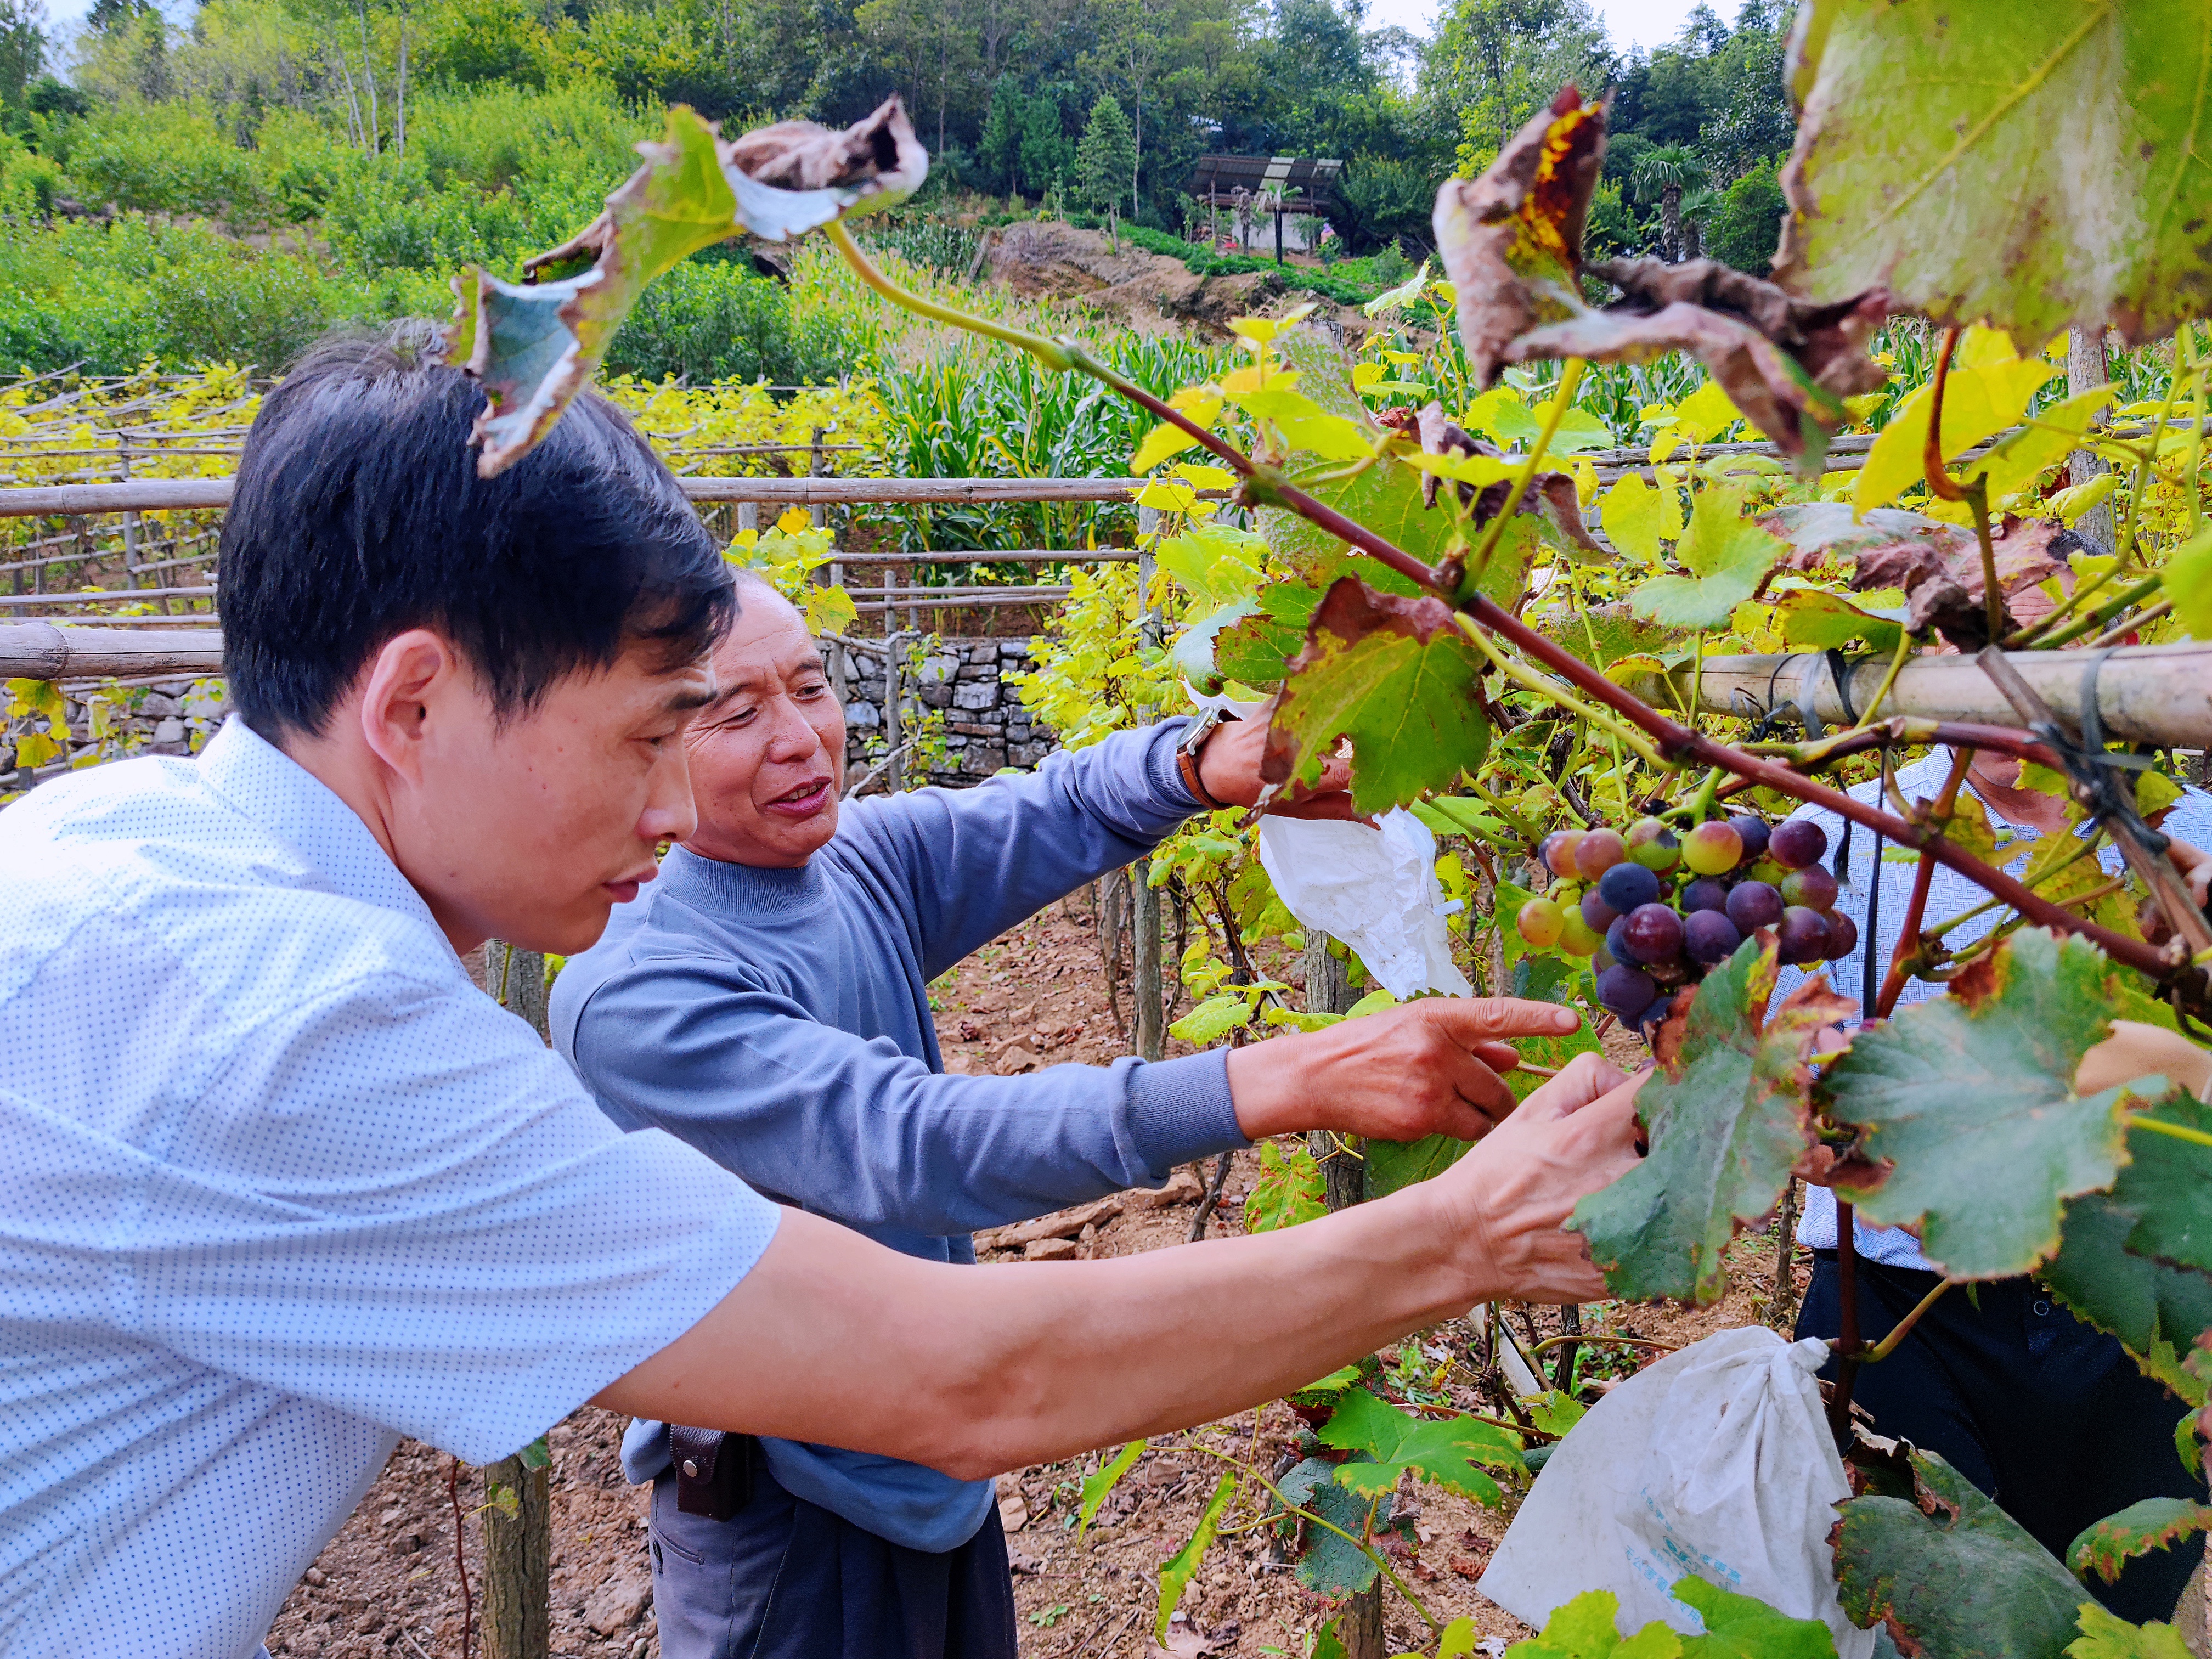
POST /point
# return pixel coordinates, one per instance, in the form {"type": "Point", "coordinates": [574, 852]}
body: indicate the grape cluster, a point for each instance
{"type": "Point", "coordinates": [1655, 910]}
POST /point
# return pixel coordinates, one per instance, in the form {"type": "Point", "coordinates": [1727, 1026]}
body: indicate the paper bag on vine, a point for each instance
{"type": "Point", "coordinates": [1716, 1463]}
{"type": "Point", "coordinates": [1374, 888]}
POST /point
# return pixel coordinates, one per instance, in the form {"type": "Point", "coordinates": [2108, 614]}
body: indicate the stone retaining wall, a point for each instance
{"type": "Point", "coordinates": [985, 727]}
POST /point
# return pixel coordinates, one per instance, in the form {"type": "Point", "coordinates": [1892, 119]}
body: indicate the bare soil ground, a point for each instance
{"type": "Point", "coordinates": [1043, 260]}
{"type": "Point", "coordinates": [388, 1582]}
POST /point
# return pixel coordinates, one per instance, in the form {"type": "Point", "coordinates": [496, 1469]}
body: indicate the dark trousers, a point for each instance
{"type": "Point", "coordinates": [786, 1579]}
{"type": "Point", "coordinates": [2048, 1417]}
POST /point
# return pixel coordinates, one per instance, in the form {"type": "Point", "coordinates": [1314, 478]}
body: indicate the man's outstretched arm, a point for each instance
{"type": "Point", "coordinates": [832, 1339]}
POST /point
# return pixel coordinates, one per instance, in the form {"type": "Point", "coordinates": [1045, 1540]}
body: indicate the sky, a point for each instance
{"type": "Point", "coordinates": [1644, 23]}
{"type": "Point", "coordinates": [1632, 22]}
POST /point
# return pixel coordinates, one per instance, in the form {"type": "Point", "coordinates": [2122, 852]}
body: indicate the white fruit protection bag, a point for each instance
{"type": "Point", "coordinates": [1715, 1462]}
{"type": "Point", "coordinates": [1375, 889]}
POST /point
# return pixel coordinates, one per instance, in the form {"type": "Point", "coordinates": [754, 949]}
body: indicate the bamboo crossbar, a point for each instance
{"type": "Point", "coordinates": [2159, 695]}
{"type": "Point", "coordinates": [186, 495]}
{"type": "Point", "coordinates": [41, 650]}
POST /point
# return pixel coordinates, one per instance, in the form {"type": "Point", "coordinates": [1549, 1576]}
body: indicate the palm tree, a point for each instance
{"type": "Point", "coordinates": [1666, 172]}
{"type": "Point", "coordinates": [1698, 206]}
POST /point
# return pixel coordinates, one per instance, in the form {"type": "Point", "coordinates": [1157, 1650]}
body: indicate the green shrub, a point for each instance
{"type": "Point", "coordinates": [167, 158]}
{"type": "Point", "coordinates": [715, 320]}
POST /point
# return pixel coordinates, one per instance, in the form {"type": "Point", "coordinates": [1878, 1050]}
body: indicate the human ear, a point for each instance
{"type": "Point", "coordinates": [410, 673]}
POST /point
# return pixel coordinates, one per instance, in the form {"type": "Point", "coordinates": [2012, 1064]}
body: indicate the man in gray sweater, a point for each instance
{"type": "Point", "coordinates": [767, 1002]}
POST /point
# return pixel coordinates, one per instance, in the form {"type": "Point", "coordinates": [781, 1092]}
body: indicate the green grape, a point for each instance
{"type": "Point", "coordinates": [1712, 849]}
{"type": "Point", "coordinates": [1540, 922]}
{"type": "Point", "coordinates": [1577, 937]}
{"type": "Point", "coordinates": [1653, 846]}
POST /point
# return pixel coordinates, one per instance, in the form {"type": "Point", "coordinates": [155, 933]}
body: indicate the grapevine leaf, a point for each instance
{"type": "Point", "coordinates": [2046, 440]}
{"type": "Point", "coordinates": [1214, 563]}
{"type": "Point", "coordinates": [1328, 1565]}
{"type": "Point", "coordinates": [1638, 516]}
{"type": "Point", "coordinates": [1744, 1627]}
{"type": "Point", "coordinates": [1511, 241]}
{"type": "Point", "coordinates": [1727, 556]}
{"type": "Point", "coordinates": [2067, 141]}
{"type": "Point", "coordinates": [1970, 1097]}
{"type": "Point", "coordinates": [1386, 498]}
{"type": "Point", "coordinates": [2107, 1636]}
{"type": "Point", "coordinates": [2189, 583]}
{"type": "Point", "coordinates": [1392, 1164]}
{"type": "Point", "coordinates": [1602, 635]}
{"type": "Point", "coordinates": [2106, 1547]}
{"type": "Point", "coordinates": [1256, 647]}
{"type": "Point", "coordinates": [1098, 1487]}
{"type": "Point", "coordinates": [1396, 676]}
{"type": "Point", "coordinates": [2166, 1183]}
{"type": "Point", "coordinates": [1177, 1573]}
{"type": "Point", "coordinates": [1213, 1020]}
{"type": "Point", "coordinates": [1727, 1119]}
{"type": "Point", "coordinates": [2153, 1309]}
{"type": "Point", "coordinates": [1977, 401]}
{"type": "Point", "coordinates": [1948, 1573]}
{"type": "Point", "coordinates": [1458, 1639]}
{"type": "Point", "coordinates": [1287, 1192]}
{"type": "Point", "coordinates": [1814, 619]}
{"type": "Point", "coordinates": [1442, 1453]}
{"type": "Point", "coordinates": [2125, 1260]}
{"type": "Point", "coordinates": [533, 346]}
{"type": "Point", "coordinates": [1585, 1628]}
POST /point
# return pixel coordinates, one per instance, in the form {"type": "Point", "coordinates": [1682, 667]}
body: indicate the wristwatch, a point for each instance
{"type": "Point", "coordinates": [1187, 753]}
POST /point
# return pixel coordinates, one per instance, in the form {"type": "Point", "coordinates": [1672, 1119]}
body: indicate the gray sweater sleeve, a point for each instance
{"type": "Point", "coordinates": [853, 1129]}
{"type": "Point", "coordinates": [965, 865]}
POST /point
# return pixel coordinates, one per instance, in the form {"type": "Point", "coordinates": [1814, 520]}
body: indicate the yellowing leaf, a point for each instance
{"type": "Point", "coordinates": [1728, 555]}
{"type": "Point", "coordinates": [1161, 442]}
{"type": "Point", "coordinates": [1168, 495]}
{"type": "Point", "coordinates": [1975, 403]}
{"type": "Point", "coordinates": [1637, 517]}
{"type": "Point", "coordinates": [2189, 583]}
{"type": "Point", "coordinates": [2068, 505]}
{"type": "Point", "coordinates": [1706, 413]}
{"type": "Point", "coordinates": [829, 610]}
{"type": "Point", "coordinates": [1503, 415]}
{"type": "Point", "coordinates": [2023, 458]}
{"type": "Point", "coordinates": [793, 521]}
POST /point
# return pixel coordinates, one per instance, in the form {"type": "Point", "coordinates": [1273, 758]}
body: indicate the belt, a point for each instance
{"type": "Point", "coordinates": [713, 1471]}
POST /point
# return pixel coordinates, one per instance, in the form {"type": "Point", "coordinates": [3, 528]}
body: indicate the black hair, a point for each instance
{"type": "Point", "coordinates": [359, 514]}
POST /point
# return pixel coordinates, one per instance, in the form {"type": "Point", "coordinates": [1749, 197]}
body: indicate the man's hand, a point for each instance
{"type": "Point", "coordinates": [1510, 1198]}
{"type": "Point", "coordinates": [1229, 766]}
{"type": "Point", "coordinates": [1429, 1067]}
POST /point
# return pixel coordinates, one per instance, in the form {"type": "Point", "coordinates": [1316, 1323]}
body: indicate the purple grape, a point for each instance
{"type": "Point", "coordinates": [1797, 843]}
{"type": "Point", "coordinates": [1706, 893]}
{"type": "Point", "coordinates": [1843, 935]}
{"type": "Point", "coordinates": [1710, 937]}
{"type": "Point", "coordinates": [1654, 933]}
{"type": "Point", "coordinates": [1597, 913]}
{"type": "Point", "coordinates": [1754, 833]}
{"type": "Point", "coordinates": [1804, 935]}
{"type": "Point", "coordinates": [1616, 942]}
{"type": "Point", "coordinates": [1753, 905]}
{"type": "Point", "coordinates": [1625, 993]}
{"type": "Point", "coordinates": [1812, 887]}
{"type": "Point", "coordinates": [1627, 885]}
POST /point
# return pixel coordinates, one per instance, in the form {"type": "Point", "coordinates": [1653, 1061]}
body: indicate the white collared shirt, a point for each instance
{"type": "Point", "coordinates": [277, 1183]}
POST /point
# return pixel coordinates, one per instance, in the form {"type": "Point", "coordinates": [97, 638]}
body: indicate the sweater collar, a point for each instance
{"type": "Point", "coordinates": [713, 885]}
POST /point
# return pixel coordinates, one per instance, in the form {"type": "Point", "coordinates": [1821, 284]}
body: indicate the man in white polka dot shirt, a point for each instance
{"type": "Point", "coordinates": [278, 1184]}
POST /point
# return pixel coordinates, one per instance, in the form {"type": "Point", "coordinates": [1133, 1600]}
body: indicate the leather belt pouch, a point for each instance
{"type": "Point", "coordinates": [713, 1471]}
